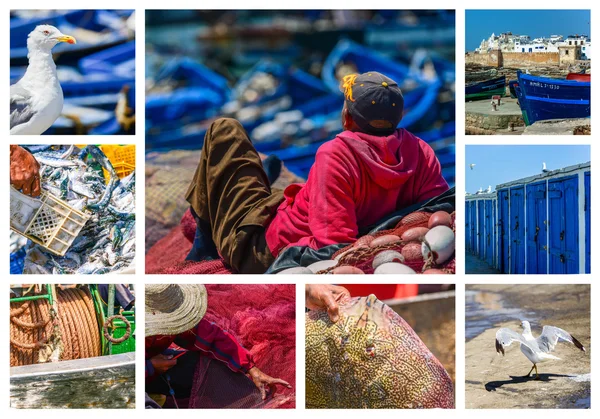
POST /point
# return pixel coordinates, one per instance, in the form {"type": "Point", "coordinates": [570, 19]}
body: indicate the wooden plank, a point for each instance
{"type": "Point", "coordinates": [100, 382]}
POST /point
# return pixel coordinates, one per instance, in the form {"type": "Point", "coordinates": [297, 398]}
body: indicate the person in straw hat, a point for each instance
{"type": "Point", "coordinates": [175, 315]}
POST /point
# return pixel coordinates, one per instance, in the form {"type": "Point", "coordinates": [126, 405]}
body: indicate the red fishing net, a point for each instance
{"type": "Point", "coordinates": [361, 256]}
{"type": "Point", "coordinates": [168, 255]}
{"type": "Point", "coordinates": [263, 319]}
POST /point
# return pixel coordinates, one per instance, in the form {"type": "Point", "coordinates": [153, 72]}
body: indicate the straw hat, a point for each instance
{"type": "Point", "coordinates": [172, 309]}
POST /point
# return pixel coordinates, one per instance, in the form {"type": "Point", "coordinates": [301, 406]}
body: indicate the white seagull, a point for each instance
{"type": "Point", "coordinates": [544, 170]}
{"type": "Point", "coordinates": [535, 349]}
{"type": "Point", "coordinates": [36, 101]}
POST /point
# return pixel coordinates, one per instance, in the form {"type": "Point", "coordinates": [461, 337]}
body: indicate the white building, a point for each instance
{"type": "Point", "coordinates": [508, 42]}
{"type": "Point", "coordinates": [586, 50]}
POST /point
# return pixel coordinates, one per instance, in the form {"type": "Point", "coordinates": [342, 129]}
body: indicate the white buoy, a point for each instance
{"type": "Point", "coordinates": [393, 268]}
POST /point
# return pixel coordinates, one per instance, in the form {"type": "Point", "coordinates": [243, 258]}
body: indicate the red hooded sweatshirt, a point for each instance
{"type": "Point", "coordinates": [356, 180]}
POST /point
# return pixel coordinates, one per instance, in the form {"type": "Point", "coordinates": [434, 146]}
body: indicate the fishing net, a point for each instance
{"type": "Point", "coordinates": [362, 257]}
{"type": "Point", "coordinates": [263, 320]}
{"type": "Point", "coordinates": [35, 333]}
{"type": "Point", "coordinates": [212, 377]}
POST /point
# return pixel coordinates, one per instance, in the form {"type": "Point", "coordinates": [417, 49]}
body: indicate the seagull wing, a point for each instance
{"type": "Point", "coordinates": [552, 335]}
{"type": "Point", "coordinates": [21, 110]}
{"type": "Point", "coordinates": [505, 337]}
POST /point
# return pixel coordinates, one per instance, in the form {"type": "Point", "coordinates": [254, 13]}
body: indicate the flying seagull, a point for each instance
{"type": "Point", "coordinates": [535, 349]}
{"type": "Point", "coordinates": [472, 166]}
{"type": "Point", "coordinates": [36, 101]}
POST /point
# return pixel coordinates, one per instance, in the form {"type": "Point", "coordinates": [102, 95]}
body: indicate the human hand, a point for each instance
{"type": "Point", "coordinates": [162, 364]}
{"type": "Point", "coordinates": [24, 171]}
{"type": "Point", "coordinates": [260, 380]}
{"type": "Point", "coordinates": [325, 296]}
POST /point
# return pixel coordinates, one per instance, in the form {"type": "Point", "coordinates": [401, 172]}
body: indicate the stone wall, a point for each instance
{"type": "Point", "coordinates": [530, 59]}
{"type": "Point", "coordinates": [513, 59]}
{"type": "Point", "coordinates": [491, 59]}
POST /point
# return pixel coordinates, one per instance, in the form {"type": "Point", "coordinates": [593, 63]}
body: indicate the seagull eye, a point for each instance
{"type": "Point", "coordinates": [46, 32]}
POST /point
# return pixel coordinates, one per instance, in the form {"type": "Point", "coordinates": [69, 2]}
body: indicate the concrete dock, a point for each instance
{"type": "Point", "coordinates": [481, 119]}
{"type": "Point", "coordinates": [575, 126]}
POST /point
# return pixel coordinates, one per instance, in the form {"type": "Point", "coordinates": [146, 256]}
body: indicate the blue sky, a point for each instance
{"type": "Point", "coordinates": [481, 23]}
{"type": "Point", "coordinates": [496, 164]}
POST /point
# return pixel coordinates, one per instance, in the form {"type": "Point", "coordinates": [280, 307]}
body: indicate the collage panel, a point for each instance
{"type": "Point", "coordinates": [394, 349]}
{"type": "Point", "coordinates": [528, 79]}
{"type": "Point", "coordinates": [220, 346]}
{"type": "Point", "coordinates": [550, 324]}
{"type": "Point", "coordinates": [72, 346]}
{"type": "Point", "coordinates": [72, 209]}
{"type": "Point", "coordinates": [312, 151]}
{"type": "Point", "coordinates": [72, 72]}
{"type": "Point", "coordinates": [537, 217]}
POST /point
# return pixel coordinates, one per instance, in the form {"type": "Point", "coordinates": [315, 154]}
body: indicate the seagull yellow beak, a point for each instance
{"type": "Point", "coordinates": [66, 38]}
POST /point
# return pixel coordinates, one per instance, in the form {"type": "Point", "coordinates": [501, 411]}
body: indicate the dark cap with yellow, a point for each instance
{"type": "Point", "coordinates": [374, 101]}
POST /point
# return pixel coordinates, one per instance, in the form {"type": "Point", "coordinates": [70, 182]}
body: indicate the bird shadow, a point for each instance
{"type": "Point", "coordinates": [493, 385]}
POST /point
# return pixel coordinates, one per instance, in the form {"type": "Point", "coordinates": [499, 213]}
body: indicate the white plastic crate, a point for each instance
{"type": "Point", "coordinates": [47, 221]}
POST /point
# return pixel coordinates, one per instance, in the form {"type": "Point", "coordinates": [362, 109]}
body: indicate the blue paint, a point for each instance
{"type": "Point", "coordinates": [503, 231]}
{"type": "Point", "coordinates": [587, 208]}
{"type": "Point", "coordinates": [563, 214]}
{"type": "Point", "coordinates": [537, 228]}
{"type": "Point", "coordinates": [517, 230]}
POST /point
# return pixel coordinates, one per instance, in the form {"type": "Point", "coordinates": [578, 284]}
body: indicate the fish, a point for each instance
{"type": "Point", "coordinates": [52, 160]}
{"type": "Point", "coordinates": [371, 358]}
{"type": "Point", "coordinates": [106, 243]}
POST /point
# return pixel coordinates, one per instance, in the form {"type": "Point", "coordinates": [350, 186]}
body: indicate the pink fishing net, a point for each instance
{"type": "Point", "coordinates": [362, 257]}
{"type": "Point", "coordinates": [263, 319]}
{"type": "Point", "coordinates": [168, 255]}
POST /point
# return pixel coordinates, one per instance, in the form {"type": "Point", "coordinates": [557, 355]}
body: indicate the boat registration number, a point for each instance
{"type": "Point", "coordinates": [544, 85]}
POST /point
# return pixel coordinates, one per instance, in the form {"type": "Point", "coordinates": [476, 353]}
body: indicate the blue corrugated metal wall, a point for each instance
{"type": "Point", "coordinates": [473, 233]}
{"type": "Point", "coordinates": [517, 230]}
{"type": "Point", "coordinates": [503, 225]}
{"type": "Point", "coordinates": [489, 231]}
{"type": "Point", "coordinates": [587, 209]}
{"type": "Point", "coordinates": [537, 245]}
{"type": "Point", "coordinates": [533, 227]}
{"type": "Point", "coordinates": [563, 214]}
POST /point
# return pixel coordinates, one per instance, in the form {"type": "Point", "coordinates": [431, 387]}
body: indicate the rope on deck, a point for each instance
{"type": "Point", "coordinates": [36, 330]}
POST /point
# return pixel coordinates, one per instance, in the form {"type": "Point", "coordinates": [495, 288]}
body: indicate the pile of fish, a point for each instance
{"type": "Point", "coordinates": [107, 241]}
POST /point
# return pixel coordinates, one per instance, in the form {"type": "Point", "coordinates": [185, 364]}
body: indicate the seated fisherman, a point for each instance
{"type": "Point", "coordinates": [368, 171]}
{"type": "Point", "coordinates": [174, 314]}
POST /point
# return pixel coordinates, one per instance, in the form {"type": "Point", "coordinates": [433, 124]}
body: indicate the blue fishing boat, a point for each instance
{"type": "Point", "coordinates": [108, 28]}
{"type": "Point", "coordinates": [486, 89]}
{"type": "Point", "coordinates": [543, 98]}
{"type": "Point", "coordinates": [511, 88]}
{"type": "Point", "coordinates": [180, 118]}
{"type": "Point", "coordinates": [420, 93]}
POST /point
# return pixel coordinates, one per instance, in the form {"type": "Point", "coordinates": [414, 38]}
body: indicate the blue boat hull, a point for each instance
{"type": "Point", "coordinates": [540, 109]}
{"type": "Point", "coordinates": [543, 98]}
{"type": "Point", "coordinates": [554, 88]}
{"type": "Point", "coordinates": [486, 89]}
